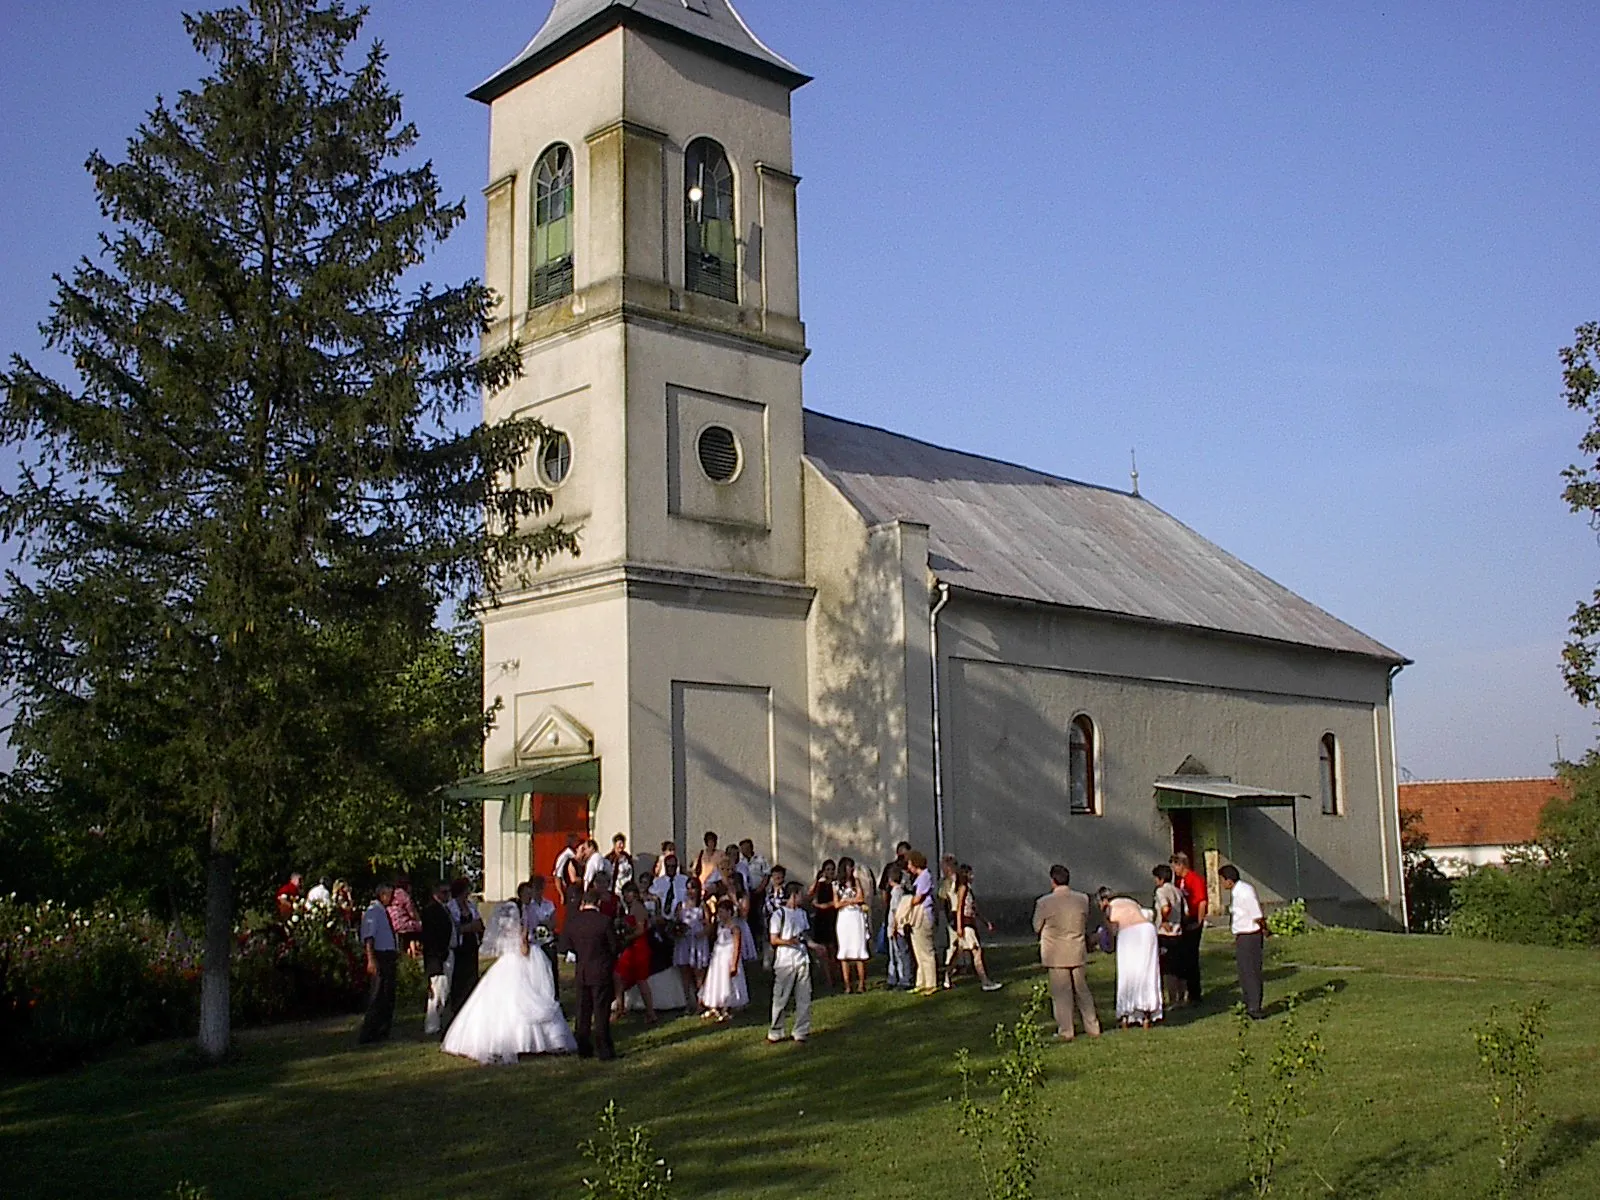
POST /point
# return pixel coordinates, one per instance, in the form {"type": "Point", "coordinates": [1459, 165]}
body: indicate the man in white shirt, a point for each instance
{"type": "Point", "coordinates": [1249, 937]}
{"type": "Point", "coordinates": [594, 866]}
{"type": "Point", "coordinates": [791, 966]}
{"type": "Point", "coordinates": [319, 893]}
{"type": "Point", "coordinates": [377, 936]}
{"type": "Point", "coordinates": [669, 888]}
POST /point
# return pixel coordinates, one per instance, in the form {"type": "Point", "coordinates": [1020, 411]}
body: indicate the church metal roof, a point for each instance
{"type": "Point", "coordinates": [1008, 531]}
{"type": "Point", "coordinates": [712, 26]}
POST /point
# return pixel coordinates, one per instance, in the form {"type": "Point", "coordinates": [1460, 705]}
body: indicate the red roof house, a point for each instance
{"type": "Point", "coordinates": [1475, 821]}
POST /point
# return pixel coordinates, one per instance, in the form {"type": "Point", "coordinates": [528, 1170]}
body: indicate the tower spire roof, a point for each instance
{"type": "Point", "coordinates": [711, 26]}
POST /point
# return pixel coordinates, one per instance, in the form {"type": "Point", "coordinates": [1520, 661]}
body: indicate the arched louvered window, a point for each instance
{"type": "Point", "coordinates": [711, 253]}
{"type": "Point", "coordinates": [1081, 765]}
{"type": "Point", "coordinates": [552, 226]}
{"type": "Point", "coordinates": [1328, 774]}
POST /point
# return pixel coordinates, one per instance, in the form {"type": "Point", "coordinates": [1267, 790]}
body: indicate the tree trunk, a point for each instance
{"type": "Point", "coordinates": [215, 1025]}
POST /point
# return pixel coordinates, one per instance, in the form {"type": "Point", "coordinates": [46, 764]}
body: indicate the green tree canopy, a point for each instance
{"type": "Point", "coordinates": [253, 490]}
{"type": "Point", "coordinates": [1581, 375]}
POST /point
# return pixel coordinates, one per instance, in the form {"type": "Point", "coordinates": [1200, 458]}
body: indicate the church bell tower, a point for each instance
{"type": "Point", "coordinates": [642, 240]}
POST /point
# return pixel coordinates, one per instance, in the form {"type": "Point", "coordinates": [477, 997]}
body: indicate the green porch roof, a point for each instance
{"type": "Point", "coordinates": [1206, 791]}
{"type": "Point", "coordinates": [577, 775]}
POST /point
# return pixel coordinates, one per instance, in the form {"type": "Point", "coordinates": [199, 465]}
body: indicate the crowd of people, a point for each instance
{"type": "Point", "coordinates": [663, 934]}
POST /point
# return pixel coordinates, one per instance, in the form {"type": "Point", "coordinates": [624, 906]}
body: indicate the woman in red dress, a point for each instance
{"type": "Point", "coordinates": [633, 964]}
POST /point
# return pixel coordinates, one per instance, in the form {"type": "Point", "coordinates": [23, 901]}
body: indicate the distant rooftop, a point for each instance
{"type": "Point", "coordinates": [713, 26]}
{"type": "Point", "coordinates": [1009, 531]}
{"type": "Point", "coordinates": [1480, 812]}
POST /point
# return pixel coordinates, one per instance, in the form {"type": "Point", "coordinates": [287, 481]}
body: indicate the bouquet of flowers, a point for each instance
{"type": "Point", "coordinates": [543, 935]}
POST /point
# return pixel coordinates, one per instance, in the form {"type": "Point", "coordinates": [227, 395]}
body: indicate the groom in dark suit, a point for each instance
{"type": "Point", "coordinates": [592, 937]}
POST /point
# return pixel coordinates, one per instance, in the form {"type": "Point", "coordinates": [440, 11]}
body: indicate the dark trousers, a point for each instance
{"type": "Point", "coordinates": [379, 1020]}
{"type": "Point", "coordinates": [594, 1019]}
{"type": "Point", "coordinates": [1247, 949]}
{"type": "Point", "coordinates": [464, 975]}
{"type": "Point", "coordinates": [1190, 941]}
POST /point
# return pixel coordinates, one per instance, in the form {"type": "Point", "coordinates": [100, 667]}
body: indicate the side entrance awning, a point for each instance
{"type": "Point", "coordinates": [578, 775]}
{"type": "Point", "coordinates": [1188, 793]}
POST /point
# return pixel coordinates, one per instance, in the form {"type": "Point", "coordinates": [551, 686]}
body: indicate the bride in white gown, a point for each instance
{"type": "Point", "coordinates": [514, 1009]}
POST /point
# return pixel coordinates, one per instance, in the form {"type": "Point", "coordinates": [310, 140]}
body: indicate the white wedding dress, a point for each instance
{"type": "Point", "coordinates": [514, 1009]}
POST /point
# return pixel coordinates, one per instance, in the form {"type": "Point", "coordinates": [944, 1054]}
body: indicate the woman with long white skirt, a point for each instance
{"type": "Point", "coordinates": [514, 1009]}
{"type": "Point", "coordinates": [850, 905]}
{"type": "Point", "coordinates": [1138, 960]}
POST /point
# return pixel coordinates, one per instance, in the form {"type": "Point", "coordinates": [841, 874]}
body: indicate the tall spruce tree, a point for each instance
{"type": "Point", "coordinates": [255, 472]}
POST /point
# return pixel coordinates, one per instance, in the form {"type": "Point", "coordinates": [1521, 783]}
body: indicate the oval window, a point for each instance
{"type": "Point", "coordinates": [555, 459]}
{"type": "Point", "coordinates": [719, 453]}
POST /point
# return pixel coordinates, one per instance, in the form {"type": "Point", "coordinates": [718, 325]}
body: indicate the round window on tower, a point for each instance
{"type": "Point", "coordinates": [719, 453]}
{"type": "Point", "coordinates": [555, 459]}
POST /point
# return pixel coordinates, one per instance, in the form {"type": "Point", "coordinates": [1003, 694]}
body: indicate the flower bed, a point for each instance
{"type": "Point", "coordinates": [73, 984]}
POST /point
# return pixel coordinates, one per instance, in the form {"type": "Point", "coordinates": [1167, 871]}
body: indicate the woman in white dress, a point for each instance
{"type": "Point", "coordinates": [725, 989]}
{"type": "Point", "coordinates": [514, 1009]}
{"type": "Point", "coordinates": [850, 908]}
{"type": "Point", "coordinates": [1138, 960]}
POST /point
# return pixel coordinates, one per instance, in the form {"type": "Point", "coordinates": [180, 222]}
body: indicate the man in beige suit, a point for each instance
{"type": "Point", "coordinates": [1061, 920]}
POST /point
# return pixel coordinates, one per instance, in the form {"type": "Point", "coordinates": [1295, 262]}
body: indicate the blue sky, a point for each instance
{"type": "Point", "coordinates": [1313, 261]}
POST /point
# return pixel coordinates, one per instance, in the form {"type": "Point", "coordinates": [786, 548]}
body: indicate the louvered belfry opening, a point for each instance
{"type": "Point", "coordinates": [719, 453]}
{"type": "Point", "coordinates": [552, 226]}
{"type": "Point", "coordinates": [711, 257]}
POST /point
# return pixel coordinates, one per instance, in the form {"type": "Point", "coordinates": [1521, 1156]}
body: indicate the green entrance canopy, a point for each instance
{"type": "Point", "coordinates": [1191, 792]}
{"type": "Point", "coordinates": [577, 775]}
{"type": "Point", "coordinates": [1203, 791]}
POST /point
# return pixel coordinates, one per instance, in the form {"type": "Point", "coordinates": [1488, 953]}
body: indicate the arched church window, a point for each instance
{"type": "Point", "coordinates": [1081, 765]}
{"type": "Point", "coordinates": [711, 254]}
{"type": "Point", "coordinates": [552, 226]}
{"type": "Point", "coordinates": [1328, 774]}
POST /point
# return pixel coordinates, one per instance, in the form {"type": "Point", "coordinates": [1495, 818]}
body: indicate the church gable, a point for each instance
{"type": "Point", "coordinates": [555, 733]}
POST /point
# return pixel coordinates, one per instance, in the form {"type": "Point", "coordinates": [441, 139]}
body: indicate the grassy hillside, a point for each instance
{"type": "Point", "coordinates": [863, 1110]}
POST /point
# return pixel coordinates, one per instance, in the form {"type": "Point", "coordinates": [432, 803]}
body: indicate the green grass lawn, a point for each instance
{"type": "Point", "coordinates": [863, 1110]}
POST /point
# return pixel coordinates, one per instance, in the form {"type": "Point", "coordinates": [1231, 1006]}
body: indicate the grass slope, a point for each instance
{"type": "Point", "coordinates": [863, 1110]}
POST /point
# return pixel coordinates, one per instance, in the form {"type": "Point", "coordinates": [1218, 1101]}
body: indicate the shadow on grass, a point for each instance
{"type": "Point", "coordinates": [1564, 1141]}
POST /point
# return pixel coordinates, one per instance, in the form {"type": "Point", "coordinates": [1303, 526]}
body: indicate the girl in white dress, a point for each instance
{"type": "Point", "coordinates": [850, 907]}
{"type": "Point", "coordinates": [725, 989]}
{"type": "Point", "coordinates": [691, 952]}
{"type": "Point", "coordinates": [514, 1009]}
{"type": "Point", "coordinates": [741, 912]}
{"type": "Point", "coordinates": [1138, 960]}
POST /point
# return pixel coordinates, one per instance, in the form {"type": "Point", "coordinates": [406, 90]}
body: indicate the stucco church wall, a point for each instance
{"type": "Point", "coordinates": [569, 651]}
{"type": "Point", "coordinates": [870, 680]}
{"type": "Point", "coordinates": [1016, 679]}
{"type": "Point", "coordinates": [718, 719]}
{"type": "Point", "coordinates": [660, 362]}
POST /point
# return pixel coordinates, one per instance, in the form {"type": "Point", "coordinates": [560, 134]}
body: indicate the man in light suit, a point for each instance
{"type": "Point", "coordinates": [1061, 919]}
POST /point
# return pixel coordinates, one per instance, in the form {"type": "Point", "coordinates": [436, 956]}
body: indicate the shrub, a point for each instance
{"type": "Point", "coordinates": [1510, 1057]}
{"type": "Point", "coordinates": [1268, 1108]}
{"type": "Point", "coordinates": [1526, 900]}
{"type": "Point", "coordinates": [1013, 1119]}
{"type": "Point", "coordinates": [1289, 921]}
{"type": "Point", "coordinates": [75, 983]}
{"type": "Point", "coordinates": [625, 1167]}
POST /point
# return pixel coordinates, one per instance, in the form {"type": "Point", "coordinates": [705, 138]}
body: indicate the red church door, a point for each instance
{"type": "Point", "coordinates": [554, 819]}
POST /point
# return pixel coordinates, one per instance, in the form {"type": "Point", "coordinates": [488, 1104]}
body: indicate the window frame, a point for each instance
{"type": "Point", "coordinates": [1330, 784]}
{"type": "Point", "coordinates": [1082, 723]}
{"type": "Point", "coordinates": [554, 178]}
{"type": "Point", "coordinates": [710, 272]}
{"type": "Point", "coordinates": [558, 438]}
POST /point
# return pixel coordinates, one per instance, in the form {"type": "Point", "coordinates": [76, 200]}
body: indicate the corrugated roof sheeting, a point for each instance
{"type": "Point", "coordinates": [1009, 531]}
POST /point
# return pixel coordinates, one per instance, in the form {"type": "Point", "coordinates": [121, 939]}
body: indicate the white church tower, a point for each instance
{"type": "Point", "coordinates": [642, 237]}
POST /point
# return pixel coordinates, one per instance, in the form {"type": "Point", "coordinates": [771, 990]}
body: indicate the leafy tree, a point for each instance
{"type": "Point", "coordinates": [252, 487]}
{"type": "Point", "coordinates": [1580, 374]}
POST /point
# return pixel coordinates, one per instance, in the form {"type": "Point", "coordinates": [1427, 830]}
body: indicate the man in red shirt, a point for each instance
{"type": "Point", "coordinates": [1193, 885]}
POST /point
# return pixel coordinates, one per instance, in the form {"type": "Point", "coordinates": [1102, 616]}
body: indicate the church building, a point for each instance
{"type": "Point", "coordinates": [828, 637]}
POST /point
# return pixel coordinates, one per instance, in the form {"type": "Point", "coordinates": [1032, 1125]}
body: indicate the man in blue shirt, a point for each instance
{"type": "Point", "coordinates": [377, 935]}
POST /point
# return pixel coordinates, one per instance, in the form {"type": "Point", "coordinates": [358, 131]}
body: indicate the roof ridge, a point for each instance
{"type": "Point", "coordinates": [1503, 779]}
